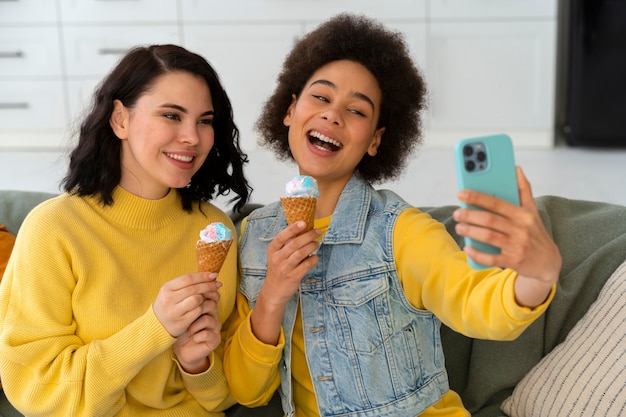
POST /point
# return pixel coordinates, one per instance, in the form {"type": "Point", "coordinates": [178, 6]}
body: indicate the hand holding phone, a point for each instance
{"type": "Point", "coordinates": [486, 164]}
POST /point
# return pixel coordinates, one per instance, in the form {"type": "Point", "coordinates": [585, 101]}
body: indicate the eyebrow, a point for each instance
{"type": "Point", "coordinates": [184, 110]}
{"type": "Point", "coordinates": [355, 94]}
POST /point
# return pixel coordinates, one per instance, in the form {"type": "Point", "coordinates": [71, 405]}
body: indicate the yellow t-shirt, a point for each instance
{"type": "Point", "coordinates": [435, 276]}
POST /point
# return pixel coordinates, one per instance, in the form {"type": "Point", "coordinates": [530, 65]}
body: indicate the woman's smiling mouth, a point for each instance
{"type": "Point", "coordinates": [180, 158]}
{"type": "Point", "coordinates": [323, 142]}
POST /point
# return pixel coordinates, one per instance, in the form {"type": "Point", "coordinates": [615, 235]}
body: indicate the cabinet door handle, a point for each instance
{"type": "Point", "coordinates": [11, 54]}
{"type": "Point", "coordinates": [13, 106]}
{"type": "Point", "coordinates": [112, 51]}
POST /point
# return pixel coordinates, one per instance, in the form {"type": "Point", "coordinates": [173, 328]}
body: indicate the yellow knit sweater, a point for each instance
{"type": "Point", "coordinates": [79, 336]}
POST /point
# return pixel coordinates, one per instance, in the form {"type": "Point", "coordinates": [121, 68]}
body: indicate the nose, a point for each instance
{"type": "Point", "coordinates": [189, 134]}
{"type": "Point", "coordinates": [332, 115]}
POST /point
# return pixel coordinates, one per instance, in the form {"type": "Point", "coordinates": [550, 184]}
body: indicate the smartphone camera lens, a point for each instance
{"type": "Point", "coordinates": [474, 157]}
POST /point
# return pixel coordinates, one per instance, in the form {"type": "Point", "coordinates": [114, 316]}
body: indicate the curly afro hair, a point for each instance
{"type": "Point", "coordinates": [385, 54]}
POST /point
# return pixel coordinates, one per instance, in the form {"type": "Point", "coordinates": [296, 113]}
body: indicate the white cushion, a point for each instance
{"type": "Point", "coordinates": [586, 374]}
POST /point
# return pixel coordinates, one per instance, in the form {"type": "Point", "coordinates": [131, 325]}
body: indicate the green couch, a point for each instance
{"type": "Point", "coordinates": [592, 240]}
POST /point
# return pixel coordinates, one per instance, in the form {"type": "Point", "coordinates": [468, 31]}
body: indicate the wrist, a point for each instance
{"type": "Point", "coordinates": [532, 292]}
{"type": "Point", "coordinates": [196, 367]}
{"type": "Point", "coordinates": [266, 319]}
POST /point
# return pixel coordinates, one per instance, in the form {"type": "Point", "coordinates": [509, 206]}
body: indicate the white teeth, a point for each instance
{"type": "Point", "coordinates": [325, 138]}
{"type": "Point", "coordinates": [182, 158]}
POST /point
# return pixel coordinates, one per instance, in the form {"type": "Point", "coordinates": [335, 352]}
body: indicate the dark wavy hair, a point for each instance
{"type": "Point", "coordinates": [95, 162]}
{"type": "Point", "coordinates": [385, 54]}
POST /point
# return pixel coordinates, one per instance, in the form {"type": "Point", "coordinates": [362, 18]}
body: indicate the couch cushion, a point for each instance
{"type": "Point", "coordinates": [585, 375]}
{"type": "Point", "coordinates": [15, 205]}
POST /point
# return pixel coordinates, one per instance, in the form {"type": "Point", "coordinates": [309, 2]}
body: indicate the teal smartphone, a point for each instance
{"type": "Point", "coordinates": [486, 164]}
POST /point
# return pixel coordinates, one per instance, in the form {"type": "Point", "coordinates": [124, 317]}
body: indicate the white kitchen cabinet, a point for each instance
{"type": "Point", "coordinates": [32, 113]}
{"type": "Point", "coordinates": [27, 52]}
{"type": "Point", "coordinates": [489, 64]}
{"type": "Point", "coordinates": [118, 11]}
{"type": "Point", "coordinates": [18, 12]}
{"type": "Point", "coordinates": [93, 51]}
{"type": "Point", "coordinates": [268, 11]}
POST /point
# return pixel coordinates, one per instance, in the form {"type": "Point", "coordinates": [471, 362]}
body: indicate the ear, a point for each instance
{"type": "Point", "coordinates": [119, 120]}
{"type": "Point", "coordinates": [375, 143]}
{"type": "Point", "coordinates": [290, 110]}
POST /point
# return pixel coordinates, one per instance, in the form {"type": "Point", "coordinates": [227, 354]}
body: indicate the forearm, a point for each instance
{"type": "Point", "coordinates": [266, 319]}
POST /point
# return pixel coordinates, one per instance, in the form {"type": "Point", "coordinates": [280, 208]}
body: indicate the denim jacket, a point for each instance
{"type": "Point", "coordinates": [370, 352]}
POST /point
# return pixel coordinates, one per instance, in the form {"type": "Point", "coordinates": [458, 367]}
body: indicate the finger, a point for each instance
{"type": "Point", "coordinates": [205, 288]}
{"type": "Point", "coordinates": [525, 190]}
{"type": "Point", "coordinates": [190, 308]}
{"type": "Point", "coordinates": [478, 223]}
{"type": "Point", "coordinates": [287, 234]}
{"type": "Point", "coordinates": [212, 295]}
{"type": "Point", "coordinates": [210, 338]}
{"type": "Point", "coordinates": [486, 202]}
{"type": "Point", "coordinates": [482, 258]}
{"type": "Point", "coordinates": [204, 321]}
{"type": "Point", "coordinates": [285, 261]}
{"type": "Point", "coordinates": [488, 232]}
{"type": "Point", "coordinates": [190, 280]}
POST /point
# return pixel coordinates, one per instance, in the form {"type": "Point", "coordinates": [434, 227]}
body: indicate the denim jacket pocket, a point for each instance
{"type": "Point", "coordinates": [360, 312]}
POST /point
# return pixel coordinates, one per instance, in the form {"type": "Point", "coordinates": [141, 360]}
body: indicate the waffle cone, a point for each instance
{"type": "Point", "coordinates": [211, 255]}
{"type": "Point", "coordinates": [299, 208]}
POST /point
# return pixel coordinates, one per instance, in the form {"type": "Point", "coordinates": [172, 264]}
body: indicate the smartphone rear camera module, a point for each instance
{"type": "Point", "coordinates": [475, 157]}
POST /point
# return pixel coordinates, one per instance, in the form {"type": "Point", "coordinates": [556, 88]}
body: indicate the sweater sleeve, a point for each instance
{"type": "Point", "coordinates": [435, 276]}
{"type": "Point", "coordinates": [210, 387]}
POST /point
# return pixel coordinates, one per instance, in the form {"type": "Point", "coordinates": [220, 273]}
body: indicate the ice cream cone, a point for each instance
{"type": "Point", "coordinates": [299, 208]}
{"type": "Point", "coordinates": [211, 255]}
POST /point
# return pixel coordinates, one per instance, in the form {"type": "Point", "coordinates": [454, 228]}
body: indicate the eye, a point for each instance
{"type": "Point", "coordinates": [207, 121]}
{"type": "Point", "coordinates": [357, 112]}
{"type": "Point", "coordinates": [171, 116]}
{"type": "Point", "coordinates": [321, 98]}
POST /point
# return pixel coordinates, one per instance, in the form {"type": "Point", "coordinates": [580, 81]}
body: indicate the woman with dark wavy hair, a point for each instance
{"type": "Point", "coordinates": [343, 320]}
{"type": "Point", "coordinates": [102, 310]}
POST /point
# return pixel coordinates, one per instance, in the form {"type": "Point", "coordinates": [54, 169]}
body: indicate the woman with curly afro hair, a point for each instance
{"type": "Point", "coordinates": [343, 319]}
